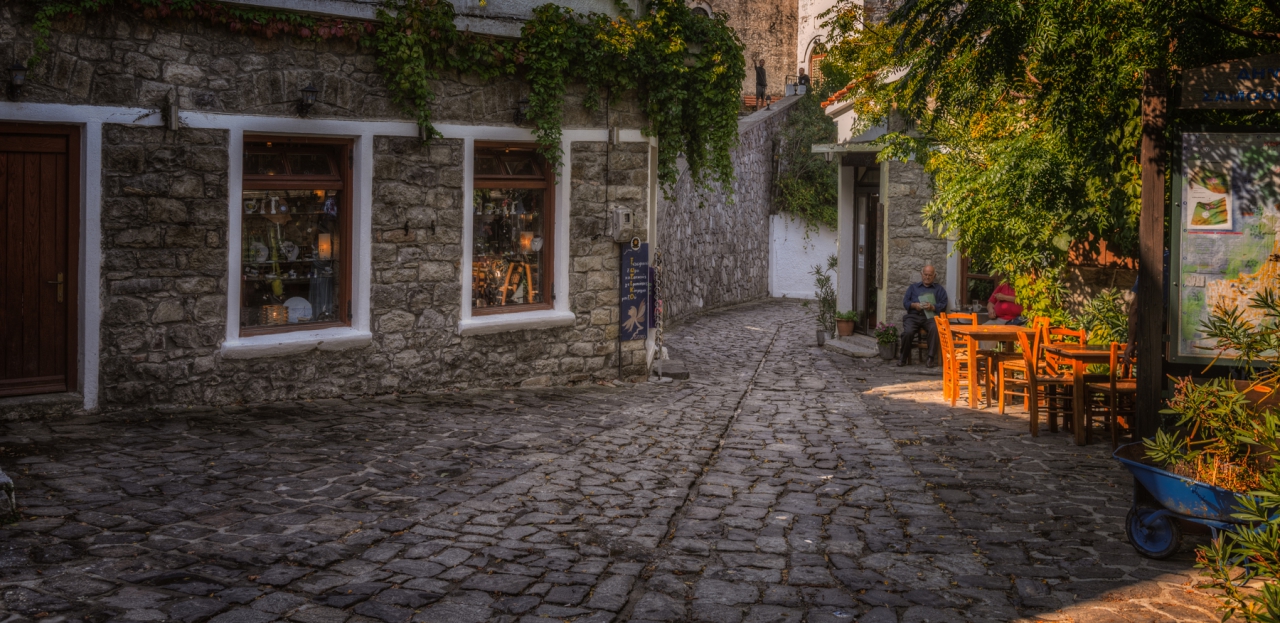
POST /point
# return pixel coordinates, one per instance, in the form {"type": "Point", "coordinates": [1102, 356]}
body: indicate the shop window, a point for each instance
{"type": "Point", "coordinates": [513, 212]}
{"type": "Point", "coordinates": [296, 224]}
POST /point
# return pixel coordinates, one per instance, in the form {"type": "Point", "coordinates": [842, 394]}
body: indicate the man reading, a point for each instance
{"type": "Point", "coordinates": [923, 300]}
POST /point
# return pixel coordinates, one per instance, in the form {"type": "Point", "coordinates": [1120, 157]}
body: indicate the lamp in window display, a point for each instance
{"type": "Point", "coordinates": [293, 224]}
{"type": "Point", "coordinates": [512, 215]}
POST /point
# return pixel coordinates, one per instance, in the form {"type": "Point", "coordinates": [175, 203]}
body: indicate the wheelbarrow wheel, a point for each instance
{"type": "Point", "coordinates": [1154, 537]}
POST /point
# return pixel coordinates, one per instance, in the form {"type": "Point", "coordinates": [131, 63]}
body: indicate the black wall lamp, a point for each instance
{"type": "Point", "coordinates": [308, 100]}
{"type": "Point", "coordinates": [17, 78]}
{"type": "Point", "coordinates": [522, 111]}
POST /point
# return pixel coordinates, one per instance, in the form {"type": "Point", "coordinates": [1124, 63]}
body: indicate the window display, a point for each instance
{"type": "Point", "coordinates": [512, 213]}
{"type": "Point", "coordinates": [295, 217]}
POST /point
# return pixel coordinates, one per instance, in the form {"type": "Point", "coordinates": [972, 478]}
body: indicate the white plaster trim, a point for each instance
{"type": "Point", "coordinates": [74, 114]}
{"type": "Point", "coordinates": [281, 344]}
{"type": "Point", "coordinates": [500, 323]}
{"type": "Point", "coordinates": [352, 9]}
{"type": "Point", "coordinates": [90, 119]}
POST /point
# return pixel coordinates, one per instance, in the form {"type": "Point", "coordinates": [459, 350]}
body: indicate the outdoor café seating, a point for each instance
{"type": "Point", "coordinates": [1045, 371]}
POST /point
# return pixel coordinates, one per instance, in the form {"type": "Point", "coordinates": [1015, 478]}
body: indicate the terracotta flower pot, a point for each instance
{"type": "Point", "coordinates": [845, 327]}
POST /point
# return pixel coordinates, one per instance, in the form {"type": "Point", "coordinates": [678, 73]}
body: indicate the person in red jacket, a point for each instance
{"type": "Point", "coordinates": [1003, 305]}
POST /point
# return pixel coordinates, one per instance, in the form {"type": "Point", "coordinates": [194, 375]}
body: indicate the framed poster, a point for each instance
{"type": "Point", "coordinates": [1226, 212]}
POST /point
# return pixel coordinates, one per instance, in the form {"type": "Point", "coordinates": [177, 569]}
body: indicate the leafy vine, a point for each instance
{"type": "Point", "coordinates": [686, 69]}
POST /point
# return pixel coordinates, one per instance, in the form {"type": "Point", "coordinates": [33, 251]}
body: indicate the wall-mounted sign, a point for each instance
{"type": "Point", "coordinates": [1245, 84]}
{"type": "Point", "coordinates": [633, 293]}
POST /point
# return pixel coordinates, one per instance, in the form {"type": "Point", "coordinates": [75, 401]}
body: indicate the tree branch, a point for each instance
{"type": "Point", "coordinates": [1252, 34]}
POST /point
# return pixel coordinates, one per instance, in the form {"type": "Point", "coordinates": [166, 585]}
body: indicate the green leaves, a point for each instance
{"type": "Point", "coordinates": [418, 40]}
{"type": "Point", "coordinates": [1027, 112]}
{"type": "Point", "coordinates": [807, 182]}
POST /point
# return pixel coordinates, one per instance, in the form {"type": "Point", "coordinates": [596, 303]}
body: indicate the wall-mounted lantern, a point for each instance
{"type": "Point", "coordinates": [17, 79]}
{"type": "Point", "coordinates": [522, 111]}
{"type": "Point", "coordinates": [308, 100]}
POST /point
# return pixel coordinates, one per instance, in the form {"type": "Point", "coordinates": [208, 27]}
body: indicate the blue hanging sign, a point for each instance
{"type": "Point", "coordinates": [633, 292]}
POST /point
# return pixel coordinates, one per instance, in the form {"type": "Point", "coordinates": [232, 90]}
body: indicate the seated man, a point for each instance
{"type": "Point", "coordinates": [923, 300]}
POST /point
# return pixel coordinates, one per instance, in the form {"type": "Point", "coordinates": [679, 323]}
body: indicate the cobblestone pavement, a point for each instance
{"type": "Point", "coordinates": [780, 484]}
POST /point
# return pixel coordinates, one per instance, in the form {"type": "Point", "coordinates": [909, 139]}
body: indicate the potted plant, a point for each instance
{"type": "Point", "coordinates": [826, 299]}
{"type": "Point", "coordinates": [845, 321]}
{"type": "Point", "coordinates": [887, 339]}
{"type": "Point", "coordinates": [1222, 437]}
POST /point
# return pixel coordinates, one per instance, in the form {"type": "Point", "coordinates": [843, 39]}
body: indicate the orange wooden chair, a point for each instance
{"type": "Point", "coordinates": [1057, 398]}
{"type": "Point", "coordinates": [1115, 400]}
{"type": "Point", "coordinates": [956, 371]}
{"type": "Point", "coordinates": [1028, 378]}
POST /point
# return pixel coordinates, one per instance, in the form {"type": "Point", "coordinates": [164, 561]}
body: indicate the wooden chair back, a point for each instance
{"type": "Point", "coordinates": [953, 316]}
{"type": "Point", "coordinates": [1029, 354]}
{"type": "Point", "coordinates": [1121, 366]}
{"type": "Point", "coordinates": [1060, 335]}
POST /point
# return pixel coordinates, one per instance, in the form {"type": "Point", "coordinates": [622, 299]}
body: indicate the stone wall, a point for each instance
{"type": "Point", "coordinates": [767, 29]}
{"type": "Point", "coordinates": [911, 245]}
{"type": "Point", "coordinates": [715, 245]}
{"type": "Point", "coordinates": [118, 58]}
{"type": "Point", "coordinates": [1083, 283]}
{"type": "Point", "coordinates": [165, 279]}
{"type": "Point", "coordinates": [165, 216]}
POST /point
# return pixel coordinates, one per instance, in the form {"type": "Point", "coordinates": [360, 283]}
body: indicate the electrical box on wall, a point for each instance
{"type": "Point", "coordinates": [619, 226]}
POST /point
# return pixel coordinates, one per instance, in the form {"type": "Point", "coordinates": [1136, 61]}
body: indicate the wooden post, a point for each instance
{"type": "Point", "coordinates": [1151, 304]}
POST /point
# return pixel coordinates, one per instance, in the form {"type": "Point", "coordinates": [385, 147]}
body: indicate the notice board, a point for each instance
{"type": "Point", "coordinates": [1224, 244]}
{"type": "Point", "coordinates": [633, 292]}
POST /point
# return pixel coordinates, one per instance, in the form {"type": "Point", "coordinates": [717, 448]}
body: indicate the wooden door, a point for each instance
{"type": "Point", "coordinates": [39, 238]}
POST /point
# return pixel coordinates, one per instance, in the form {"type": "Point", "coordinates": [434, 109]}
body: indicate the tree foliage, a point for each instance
{"type": "Point", "coordinates": [807, 182]}
{"type": "Point", "coordinates": [1027, 113]}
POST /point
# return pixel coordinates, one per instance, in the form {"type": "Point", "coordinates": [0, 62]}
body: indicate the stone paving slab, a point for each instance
{"type": "Point", "coordinates": [781, 482]}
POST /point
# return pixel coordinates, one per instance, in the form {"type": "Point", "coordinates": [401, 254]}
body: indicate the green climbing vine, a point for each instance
{"type": "Point", "coordinates": [417, 40]}
{"type": "Point", "coordinates": [686, 69]}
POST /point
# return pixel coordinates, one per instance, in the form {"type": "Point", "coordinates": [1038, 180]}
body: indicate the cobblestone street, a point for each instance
{"type": "Point", "coordinates": [781, 483]}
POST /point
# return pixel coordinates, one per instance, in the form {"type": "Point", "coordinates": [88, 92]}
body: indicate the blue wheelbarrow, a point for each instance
{"type": "Point", "coordinates": [1161, 498]}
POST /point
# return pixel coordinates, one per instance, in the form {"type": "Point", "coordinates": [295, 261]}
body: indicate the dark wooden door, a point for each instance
{"type": "Point", "coordinates": [39, 238]}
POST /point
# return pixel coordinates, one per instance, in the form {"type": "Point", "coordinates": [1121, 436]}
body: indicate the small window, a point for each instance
{"type": "Point", "coordinates": [295, 228]}
{"type": "Point", "coordinates": [513, 209]}
{"type": "Point", "coordinates": [976, 283]}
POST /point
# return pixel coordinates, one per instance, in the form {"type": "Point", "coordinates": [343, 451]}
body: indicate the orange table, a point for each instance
{"type": "Point", "coordinates": [1080, 357]}
{"type": "Point", "coordinates": [989, 333]}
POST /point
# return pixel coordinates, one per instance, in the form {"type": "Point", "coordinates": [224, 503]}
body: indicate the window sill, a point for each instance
{"type": "Point", "coordinates": [281, 344]}
{"type": "Point", "coordinates": [500, 323]}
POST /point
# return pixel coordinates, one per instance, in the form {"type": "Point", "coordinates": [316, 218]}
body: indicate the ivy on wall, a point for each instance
{"type": "Point", "coordinates": [685, 69]}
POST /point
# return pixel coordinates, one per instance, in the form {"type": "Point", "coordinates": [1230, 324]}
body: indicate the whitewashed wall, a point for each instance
{"type": "Point", "coordinates": [793, 251]}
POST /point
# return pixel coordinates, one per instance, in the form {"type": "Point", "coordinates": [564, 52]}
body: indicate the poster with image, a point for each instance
{"type": "Point", "coordinates": [1225, 248]}
{"type": "Point", "coordinates": [1209, 197]}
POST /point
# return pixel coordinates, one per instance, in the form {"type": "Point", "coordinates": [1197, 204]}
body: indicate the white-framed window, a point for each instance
{"type": "Point", "coordinates": [337, 321]}
{"type": "Point", "coordinates": [513, 203]}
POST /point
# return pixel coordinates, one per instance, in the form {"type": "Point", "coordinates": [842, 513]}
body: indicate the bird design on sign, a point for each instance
{"type": "Point", "coordinates": [635, 319]}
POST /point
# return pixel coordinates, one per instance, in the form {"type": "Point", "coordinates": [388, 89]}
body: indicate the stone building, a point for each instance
{"type": "Point", "coordinates": [230, 249]}
{"type": "Point", "coordinates": [767, 29]}
{"type": "Point", "coordinates": [882, 242]}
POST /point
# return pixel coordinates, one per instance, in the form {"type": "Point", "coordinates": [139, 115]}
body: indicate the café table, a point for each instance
{"type": "Point", "coordinates": [1080, 356]}
{"type": "Point", "coordinates": [988, 333]}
